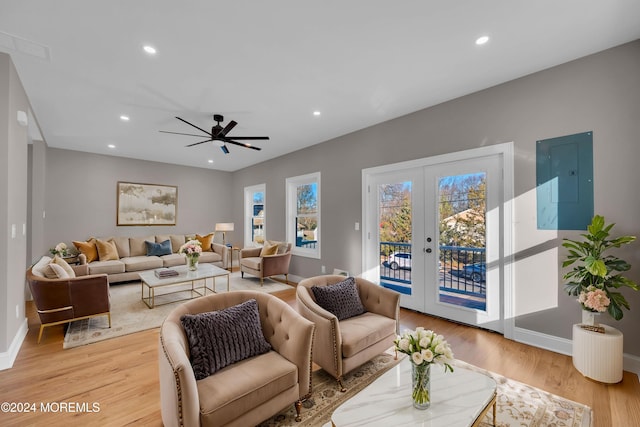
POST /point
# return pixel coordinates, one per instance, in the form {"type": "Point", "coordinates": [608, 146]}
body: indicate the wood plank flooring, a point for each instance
{"type": "Point", "coordinates": [121, 375]}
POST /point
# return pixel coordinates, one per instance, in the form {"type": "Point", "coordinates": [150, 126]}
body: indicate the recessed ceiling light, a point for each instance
{"type": "Point", "coordinates": [316, 113]}
{"type": "Point", "coordinates": [210, 161]}
{"type": "Point", "coordinates": [111, 146]}
{"type": "Point", "coordinates": [482, 40]}
{"type": "Point", "coordinates": [124, 118]}
{"type": "Point", "coordinates": [150, 49]}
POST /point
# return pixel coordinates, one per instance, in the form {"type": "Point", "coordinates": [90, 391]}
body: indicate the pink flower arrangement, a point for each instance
{"type": "Point", "coordinates": [594, 299]}
{"type": "Point", "coordinates": [191, 248]}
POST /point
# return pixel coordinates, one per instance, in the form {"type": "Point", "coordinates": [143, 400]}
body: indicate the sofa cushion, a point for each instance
{"type": "Point", "coordinates": [172, 260]}
{"type": "Point", "coordinates": [225, 395]}
{"type": "Point", "coordinates": [341, 298]}
{"type": "Point", "coordinates": [177, 240]}
{"type": "Point", "coordinates": [141, 263]}
{"type": "Point", "coordinates": [205, 241]}
{"type": "Point", "coordinates": [138, 247]}
{"type": "Point", "coordinates": [107, 250]}
{"type": "Point", "coordinates": [58, 272]}
{"type": "Point", "coordinates": [361, 332]}
{"type": "Point", "coordinates": [221, 338]}
{"type": "Point", "coordinates": [122, 245]}
{"type": "Point", "coordinates": [106, 267]}
{"type": "Point", "coordinates": [253, 262]}
{"type": "Point", "coordinates": [158, 249]}
{"type": "Point", "coordinates": [210, 257]}
{"type": "Point", "coordinates": [87, 248]}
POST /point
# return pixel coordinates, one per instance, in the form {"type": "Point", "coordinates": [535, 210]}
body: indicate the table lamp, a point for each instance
{"type": "Point", "coordinates": [224, 227]}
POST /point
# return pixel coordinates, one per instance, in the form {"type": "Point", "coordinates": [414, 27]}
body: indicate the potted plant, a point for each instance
{"type": "Point", "coordinates": [596, 277]}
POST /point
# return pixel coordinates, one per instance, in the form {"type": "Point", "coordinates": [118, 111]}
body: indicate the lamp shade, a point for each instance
{"type": "Point", "coordinates": [224, 226]}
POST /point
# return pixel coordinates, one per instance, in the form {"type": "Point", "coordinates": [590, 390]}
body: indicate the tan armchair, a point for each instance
{"type": "Point", "coordinates": [341, 346]}
{"type": "Point", "coordinates": [246, 392]}
{"type": "Point", "coordinates": [266, 266]}
{"type": "Point", "coordinates": [61, 301]}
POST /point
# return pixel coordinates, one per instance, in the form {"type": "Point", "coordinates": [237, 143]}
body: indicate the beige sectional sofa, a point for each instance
{"type": "Point", "coordinates": [132, 256]}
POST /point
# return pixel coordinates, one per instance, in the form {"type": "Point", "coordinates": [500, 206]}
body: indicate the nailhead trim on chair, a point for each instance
{"type": "Point", "coordinates": [177, 378]}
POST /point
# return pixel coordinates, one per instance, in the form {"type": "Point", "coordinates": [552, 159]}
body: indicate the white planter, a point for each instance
{"type": "Point", "coordinates": [590, 318]}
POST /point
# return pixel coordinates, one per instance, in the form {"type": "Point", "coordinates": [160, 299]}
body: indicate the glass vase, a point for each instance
{"type": "Point", "coordinates": [421, 385]}
{"type": "Point", "coordinates": [192, 263]}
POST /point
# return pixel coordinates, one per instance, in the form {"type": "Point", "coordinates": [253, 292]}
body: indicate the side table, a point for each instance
{"type": "Point", "coordinates": [598, 356]}
{"type": "Point", "coordinates": [234, 249]}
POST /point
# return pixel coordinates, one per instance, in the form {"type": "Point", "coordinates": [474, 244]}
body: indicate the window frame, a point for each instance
{"type": "Point", "coordinates": [292, 185]}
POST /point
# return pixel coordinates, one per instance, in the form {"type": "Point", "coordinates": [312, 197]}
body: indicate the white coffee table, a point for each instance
{"type": "Point", "coordinates": [197, 279]}
{"type": "Point", "coordinates": [459, 398]}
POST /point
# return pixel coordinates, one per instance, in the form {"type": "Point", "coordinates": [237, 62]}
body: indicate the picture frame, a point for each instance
{"type": "Point", "coordinates": [146, 204]}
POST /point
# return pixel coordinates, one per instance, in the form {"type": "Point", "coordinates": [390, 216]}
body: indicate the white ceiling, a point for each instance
{"type": "Point", "coordinates": [269, 64]}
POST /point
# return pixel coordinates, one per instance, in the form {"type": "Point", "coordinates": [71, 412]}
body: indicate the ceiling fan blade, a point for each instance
{"type": "Point", "coordinates": [197, 143]}
{"type": "Point", "coordinates": [227, 128]}
{"type": "Point", "coordinates": [242, 138]}
{"type": "Point", "coordinates": [242, 144]}
{"type": "Point", "coordinates": [191, 124]}
{"type": "Point", "coordinates": [180, 133]}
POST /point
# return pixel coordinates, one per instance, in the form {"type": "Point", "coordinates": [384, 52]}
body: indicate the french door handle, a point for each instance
{"type": "Point", "coordinates": [428, 250]}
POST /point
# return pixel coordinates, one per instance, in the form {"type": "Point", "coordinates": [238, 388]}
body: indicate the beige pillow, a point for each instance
{"type": "Point", "coordinates": [282, 246]}
{"type": "Point", "coordinates": [58, 272]}
{"type": "Point", "coordinates": [205, 241]}
{"type": "Point", "coordinates": [88, 248]}
{"type": "Point", "coordinates": [107, 251]}
{"type": "Point", "coordinates": [269, 250]}
{"type": "Point", "coordinates": [64, 265]}
{"type": "Point", "coordinates": [41, 266]}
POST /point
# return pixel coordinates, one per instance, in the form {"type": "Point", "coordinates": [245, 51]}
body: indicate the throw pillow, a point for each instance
{"type": "Point", "coordinates": [87, 248]}
{"type": "Point", "coordinates": [205, 241]}
{"type": "Point", "coordinates": [340, 299]}
{"type": "Point", "coordinates": [64, 265]}
{"type": "Point", "coordinates": [221, 338]}
{"type": "Point", "coordinates": [58, 272]}
{"type": "Point", "coordinates": [107, 250]}
{"type": "Point", "coordinates": [269, 250]}
{"type": "Point", "coordinates": [282, 246]}
{"type": "Point", "coordinates": [158, 249]}
{"type": "Point", "coordinates": [39, 268]}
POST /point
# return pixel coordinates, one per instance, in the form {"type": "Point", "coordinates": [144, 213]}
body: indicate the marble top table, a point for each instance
{"type": "Point", "coordinates": [459, 398]}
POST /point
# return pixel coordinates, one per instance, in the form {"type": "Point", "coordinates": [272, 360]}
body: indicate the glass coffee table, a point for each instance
{"type": "Point", "coordinates": [196, 279]}
{"type": "Point", "coordinates": [459, 398]}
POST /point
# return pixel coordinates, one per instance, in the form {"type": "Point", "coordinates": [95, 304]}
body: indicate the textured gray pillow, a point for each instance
{"type": "Point", "coordinates": [341, 299]}
{"type": "Point", "coordinates": [220, 338]}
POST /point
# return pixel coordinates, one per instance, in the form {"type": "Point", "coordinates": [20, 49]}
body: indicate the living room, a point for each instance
{"type": "Point", "coordinates": [599, 93]}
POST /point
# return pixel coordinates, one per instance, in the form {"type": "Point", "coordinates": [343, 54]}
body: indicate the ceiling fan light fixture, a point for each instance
{"type": "Point", "coordinates": [224, 149]}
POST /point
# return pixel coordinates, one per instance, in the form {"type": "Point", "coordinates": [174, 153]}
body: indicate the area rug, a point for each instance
{"type": "Point", "coordinates": [518, 404]}
{"type": "Point", "coordinates": [129, 314]}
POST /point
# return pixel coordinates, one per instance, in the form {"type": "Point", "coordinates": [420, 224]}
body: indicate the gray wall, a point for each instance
{"type": "Point", "coordinates": [599, 93]}
{"type": "Point", "coordinates": [13, 202]}
{"type": "Point", "coordinates": [80, 197]}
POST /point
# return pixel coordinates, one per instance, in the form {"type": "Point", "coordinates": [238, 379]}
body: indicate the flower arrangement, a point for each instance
{"type": "Point", "coordinates": [596, 277]}
{"type": "Point", "coordinates": [425, 348]}
{"type": "Point", "coordinates": [192, 248]}
{"type": "Point", "coordinates": [60, 249]}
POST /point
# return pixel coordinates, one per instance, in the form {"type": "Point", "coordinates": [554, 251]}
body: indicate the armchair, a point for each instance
{"type": "Point", "coordinates": [60, 301]}
{"type": "Point", "coordinates": [243, 393]}
{"type": "Point", "coordinates": [253, 263]}
{"type": "Point", "coordinates": [342, 345]}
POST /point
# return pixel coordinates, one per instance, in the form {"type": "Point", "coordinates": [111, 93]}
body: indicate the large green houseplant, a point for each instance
{"type": "Point", "coordinates": [596, 277]}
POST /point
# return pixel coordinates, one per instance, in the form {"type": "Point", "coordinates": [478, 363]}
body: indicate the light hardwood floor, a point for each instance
{"type": "Point", "coordinates": [121, 375]}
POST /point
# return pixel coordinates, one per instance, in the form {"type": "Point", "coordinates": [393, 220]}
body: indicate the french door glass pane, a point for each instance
{"type": "Point", "coordinates": [395, 228]}
{"type": "Point", "coordinates": [462, 252]}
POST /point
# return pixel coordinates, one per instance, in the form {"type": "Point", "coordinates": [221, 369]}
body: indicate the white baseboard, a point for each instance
{"type": "Point", "coordinates": [564, 346]}
{"type": "Point", "coordinates": [8, 357]}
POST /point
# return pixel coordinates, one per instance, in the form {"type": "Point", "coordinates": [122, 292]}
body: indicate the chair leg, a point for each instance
{"type": "Point", "coordinates": [340, 385]}
{"type": "Point", "coordinates": [109, 316]}
{"type": "Point", "coordinates": [261, 281]}
{"type": "Point", "coordinates": [242, 274]}
{"type": "Point", "coordinates": [298, 406]}
{"type": "Point", "coordinates": [40, 333]}
{"type": "Point", "coordinates": [286, 278]}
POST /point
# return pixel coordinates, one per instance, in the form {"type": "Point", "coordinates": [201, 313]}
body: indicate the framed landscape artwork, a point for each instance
{"type": "Point", "coordinates": [146, 204]}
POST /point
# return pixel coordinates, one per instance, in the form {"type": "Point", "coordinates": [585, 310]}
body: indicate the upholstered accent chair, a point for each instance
{"type": "Point", "coordinates": [342, 345]}
{"type": "Point", "coordinates": [245, 392]}
{"type": "Point", "coordinates": [60, 301]}
{"type": "Point", "coordinates": [254, 261]}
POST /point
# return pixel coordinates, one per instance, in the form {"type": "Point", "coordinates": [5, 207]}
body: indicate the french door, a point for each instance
{"type": "Point", "coordinates": [434, 233]}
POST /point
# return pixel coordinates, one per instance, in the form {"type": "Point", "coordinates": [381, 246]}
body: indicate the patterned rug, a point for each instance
{"type": "Point", "coordinates": [130, 314]}
{"type": "Point", "coordinates": [518, 404]}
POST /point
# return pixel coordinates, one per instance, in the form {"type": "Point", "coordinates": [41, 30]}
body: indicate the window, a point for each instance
{"type": "Point", "coordinates": [303, 214]}
{"type": "Point", "coordinates": [254, 214]}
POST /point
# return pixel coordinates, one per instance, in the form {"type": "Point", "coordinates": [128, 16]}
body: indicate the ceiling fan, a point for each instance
{"type": "Point", "coordinates": [219, 133]}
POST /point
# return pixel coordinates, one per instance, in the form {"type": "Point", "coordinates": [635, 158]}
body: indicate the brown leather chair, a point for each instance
{"type": "Point", "coordinates": [246, 392]}
{"type": "Point", "coordinates": [266, 266]}
{"type": "Point", "coordinates": [61, 301]}
{"type": "Point", "coordinates": [341, 346]}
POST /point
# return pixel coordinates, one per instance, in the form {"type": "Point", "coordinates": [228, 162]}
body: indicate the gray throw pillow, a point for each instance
{"type": "Point", "coordinates": [341, 299]}
{"type": "Point", "coordinates": [221, 338]}
{"type": "Point", "coordinates": [158, 249]}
